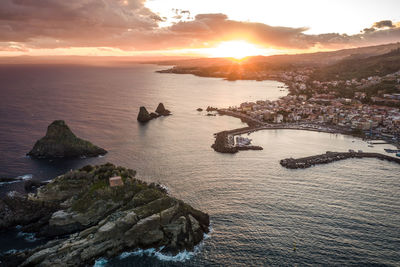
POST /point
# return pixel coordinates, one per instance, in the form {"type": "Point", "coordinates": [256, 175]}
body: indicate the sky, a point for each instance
{"type": "Point", "coordinates": [212, 28]}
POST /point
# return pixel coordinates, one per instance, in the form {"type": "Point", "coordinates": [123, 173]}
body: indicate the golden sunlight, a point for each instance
{"type": "Point", "coordinates": [235, 49]}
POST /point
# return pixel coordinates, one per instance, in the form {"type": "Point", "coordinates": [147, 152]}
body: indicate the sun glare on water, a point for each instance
{"type": "Point", "coordinates": [235, 49]}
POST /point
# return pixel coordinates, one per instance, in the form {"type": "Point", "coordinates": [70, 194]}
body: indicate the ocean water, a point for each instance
{"type": "Point", "coordinates": [344, 213]}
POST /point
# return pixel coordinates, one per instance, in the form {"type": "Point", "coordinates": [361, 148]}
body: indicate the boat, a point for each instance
{"type": "Point", "coordinates": [398, 154]}
{"type": "Point", "coordinates": [370, 146]}
{"type": "Point", "coordinates": [243, 141]}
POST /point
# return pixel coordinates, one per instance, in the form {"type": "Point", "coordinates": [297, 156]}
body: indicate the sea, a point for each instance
{"type": "Point", "coordinates": [346, 213]}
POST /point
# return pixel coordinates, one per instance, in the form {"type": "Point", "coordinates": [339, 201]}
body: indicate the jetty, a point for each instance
{"type": "Point", "coordinates": [328, 157]}
{"type": "Point", "coordinates": [225, 142]}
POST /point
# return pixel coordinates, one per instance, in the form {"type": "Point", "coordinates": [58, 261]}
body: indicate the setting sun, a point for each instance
{"type": "Point", "coordinates": [235, 49]}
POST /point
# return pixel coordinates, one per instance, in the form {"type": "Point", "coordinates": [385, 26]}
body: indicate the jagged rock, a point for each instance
{"type": "Point", "coordinates": [30, 185]}
{"type": "Point", "coordinates": [154, 115]}
{"type": "Point", "coordinates": [143, 115]}
{"type": "Point", "coordinates": [162, 111]}
{"type": "Point", "coordinates": [101, 221]}
{"type": "Point", "coordinates": [61, 142]}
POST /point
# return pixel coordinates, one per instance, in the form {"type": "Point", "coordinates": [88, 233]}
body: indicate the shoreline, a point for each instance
{"type": "Point", "coordinates": [224, 140]}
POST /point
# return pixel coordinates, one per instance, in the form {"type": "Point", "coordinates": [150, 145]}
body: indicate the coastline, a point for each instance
{"type": "Point", "coordinates": [292, 87]}
{"type": "Point", "coordinates": [224, 140]}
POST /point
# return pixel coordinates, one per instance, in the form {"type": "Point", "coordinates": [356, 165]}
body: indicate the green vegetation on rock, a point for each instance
{"type": "Point", "coordinates": [93, 219]}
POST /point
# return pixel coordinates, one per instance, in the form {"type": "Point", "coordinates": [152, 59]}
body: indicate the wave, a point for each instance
{"type": "Point", "coordinates": [10, 182]}
{"type": "Point", "coordinates": [164, 187]}
{"type": "Point", "coordinates": [152, 252]}
{"type": "Point", "coordinates": [100, 262]}
{"type": "Point", "coordinates": [29, 237]}
{"type": "Point", "coordinates": [18, 179]}
{"type": "Point", "coordinates": [156, 253]}
{"type": "Point", "coordinates": [25, 177]}
{"type": "Point", "coordinates": [180, 257]}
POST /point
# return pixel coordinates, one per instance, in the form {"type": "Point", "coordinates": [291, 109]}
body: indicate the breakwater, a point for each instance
{"type": "Point", "coordinates": [224, 141]}
{"type": "Point", "coordinates": [328, 157]}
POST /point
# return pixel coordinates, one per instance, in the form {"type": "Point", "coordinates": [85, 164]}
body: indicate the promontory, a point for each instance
{"type": "Point", "coordinates": [61, 142]}
{"type": "Point", "coordinates": [99, 211]}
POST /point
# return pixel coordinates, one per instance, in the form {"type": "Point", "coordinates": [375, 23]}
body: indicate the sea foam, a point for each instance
{"type": "Point", "coordinates": [18, 179]}
{"type": "Point", "coordinates": [180, 257]}
{"type": "Point", "coordinates": [30, 237]}
{"type": "Point", "coordinates": [156, 253]}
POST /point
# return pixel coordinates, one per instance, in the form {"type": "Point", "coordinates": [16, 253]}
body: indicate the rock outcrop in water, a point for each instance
{"type": "Point", "coordinates": [162, 111]}
{"type": "Point", "coordinates": [144, 115]}
{"type": "Point", "coordinates": [87, 219]}
{"type": "Point", "coordinates": [61, 142]}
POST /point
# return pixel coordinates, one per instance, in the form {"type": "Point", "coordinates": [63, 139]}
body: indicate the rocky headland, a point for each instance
{"type": "Point", "coordinates": [144, 116]}
{"type": "Point", "coordinates": [328, 157]}
{"type": "Point", "coordinates": [61, 142]}
{"type": "Point", "coordinates": [84, 218]}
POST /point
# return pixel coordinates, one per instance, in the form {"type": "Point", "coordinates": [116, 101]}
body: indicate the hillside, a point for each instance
{"type": "Point", "coordinates": [307, 59]}
{"type": "Point", "coordinates": [356, 67]}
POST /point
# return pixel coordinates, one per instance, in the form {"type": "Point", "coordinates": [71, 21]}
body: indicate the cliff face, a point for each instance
{"type": "Point", "coordinates": [61, 142]}
{"type": "Point", "coordinates": [93, 220]}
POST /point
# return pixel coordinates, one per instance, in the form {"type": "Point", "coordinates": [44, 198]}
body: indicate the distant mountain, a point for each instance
{"type": "Point", "coordinates": [308, 59]}
{"type": "Point", "coordinates": [359, 67]}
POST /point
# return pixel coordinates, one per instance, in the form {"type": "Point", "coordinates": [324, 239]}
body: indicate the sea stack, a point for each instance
{"type": "Point", "coordinates": [61, 142]}
{"type": "Point", "coordinates": [162, 111]}
{"type": "Point", "coordinates": [143, 115]}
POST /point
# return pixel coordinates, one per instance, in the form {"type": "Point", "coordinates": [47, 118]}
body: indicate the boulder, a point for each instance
{"type": "Point", "coordinates": [61, 142]}
{"type": "Point", "coordinates": [143, 115]}
{"type": "Point", "coordinates": [199, 109]}
{"type": "Point", "coordinates": [162, 111]}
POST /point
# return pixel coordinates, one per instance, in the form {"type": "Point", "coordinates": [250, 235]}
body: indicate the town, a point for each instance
{"type": "Point", "coordinates": [320, 105]}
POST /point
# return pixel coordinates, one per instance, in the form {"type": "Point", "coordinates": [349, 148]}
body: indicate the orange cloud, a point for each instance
{"type": "Point", "coordinates": [129, 25]}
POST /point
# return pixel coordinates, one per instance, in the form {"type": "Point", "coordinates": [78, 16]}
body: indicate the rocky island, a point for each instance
{"type": "Point", "coordinates": [144, 116]}
{"type": "Point", "coordinates": [61, 142]}
{"type": "Point", "coordinates": [99, 211]}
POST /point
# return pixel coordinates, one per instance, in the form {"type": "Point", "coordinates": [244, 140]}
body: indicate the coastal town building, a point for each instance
{"type": "Point", "coordinates": [116, 181]}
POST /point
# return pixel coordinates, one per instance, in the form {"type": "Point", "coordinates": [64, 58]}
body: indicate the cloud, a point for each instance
{"type": "Point", "coordinates": [383, 24]}
{"type": "Point", "coordinates": [25, 20]}
{"type": "Point", "coordinates": [129, 25]}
